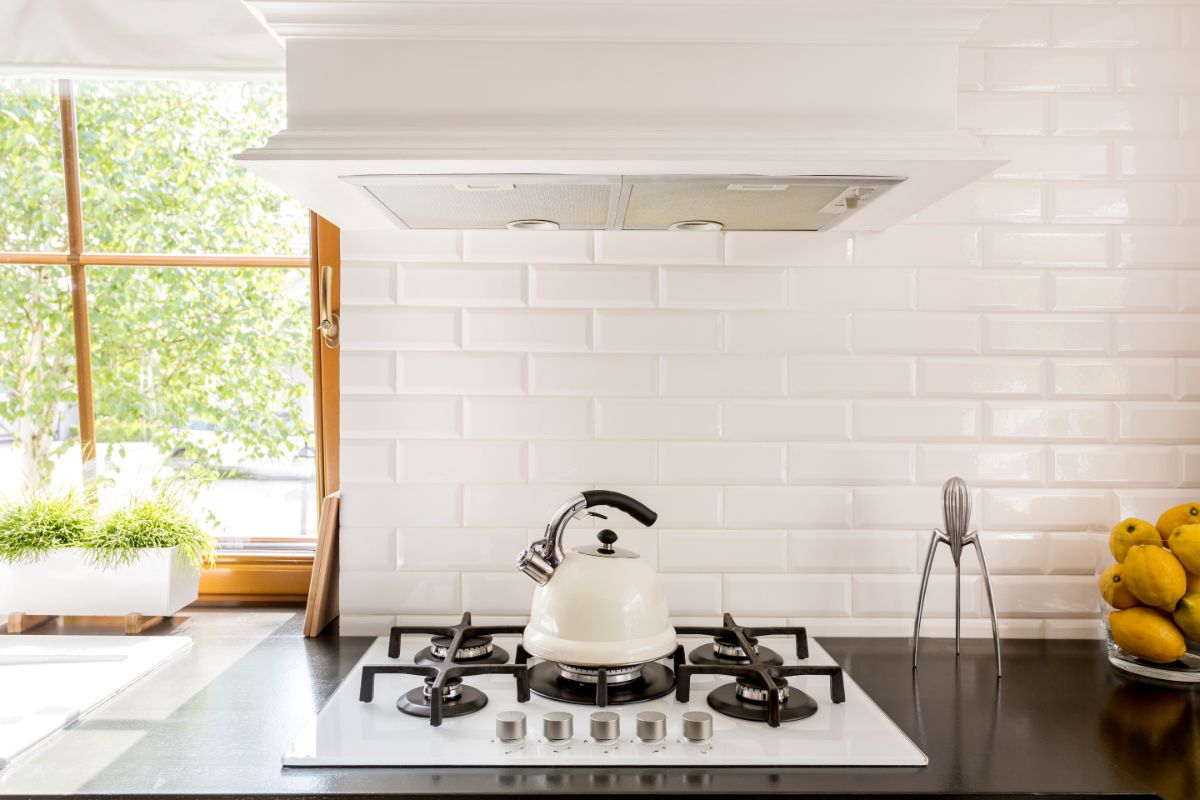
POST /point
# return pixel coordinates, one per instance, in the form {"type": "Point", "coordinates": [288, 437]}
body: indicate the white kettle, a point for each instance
{"type": "Point", "coordinates": [598, 605]}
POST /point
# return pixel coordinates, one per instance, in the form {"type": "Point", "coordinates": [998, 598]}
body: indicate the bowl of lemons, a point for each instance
{"type": "Point", "coordinates": [1151, 595]}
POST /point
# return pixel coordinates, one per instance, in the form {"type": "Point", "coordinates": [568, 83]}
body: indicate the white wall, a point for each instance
{"type": "Point", "coordinates": [790, 404]}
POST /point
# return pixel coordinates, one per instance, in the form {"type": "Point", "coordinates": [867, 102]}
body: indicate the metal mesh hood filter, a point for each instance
{"type": "Point", "coordinates": [483, 206]}
{"type": "Point", "coordinates": [784, 207]}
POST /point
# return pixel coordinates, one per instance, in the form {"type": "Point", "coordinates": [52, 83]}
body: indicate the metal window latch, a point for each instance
{"type": "Point", "coordinates": [329, 328]}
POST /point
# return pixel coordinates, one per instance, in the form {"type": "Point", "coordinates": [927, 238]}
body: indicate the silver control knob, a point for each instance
{"type": "Point", "coordinates": [606, 726]}
{"type": "Point", "coordinates": [558, 726]}
{"type": "Point", "coordinates": [697, 726]}
{"type": "Point", "coordinates": [510, 726]}
{"type": "Point", "coordinates": [651, 726]}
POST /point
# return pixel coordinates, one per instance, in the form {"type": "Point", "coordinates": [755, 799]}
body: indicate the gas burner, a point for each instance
{"type": "Point", "coordinates": [601, 686]}
{"type": "Point", "coordinates": [457, 699]}
{"type": "Point", "coordinates": [444, 694]}
{"type": "Point", "coordinates": [474, 649]}
{"type": "Point", "coordinates": [761, 691]}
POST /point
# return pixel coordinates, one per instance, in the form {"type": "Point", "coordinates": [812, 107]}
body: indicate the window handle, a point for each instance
{"type": "Point", "coordinates": [329, 327]}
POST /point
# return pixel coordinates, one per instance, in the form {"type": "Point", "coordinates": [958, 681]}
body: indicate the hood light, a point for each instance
{"type": "Point", "coordinates": [696, 225]}
{"type": "Point", "coordinates": [532, 225]}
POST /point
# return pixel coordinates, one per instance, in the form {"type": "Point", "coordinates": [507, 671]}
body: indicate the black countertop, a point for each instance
{"type": "Point", "coordinates": [215, 721]}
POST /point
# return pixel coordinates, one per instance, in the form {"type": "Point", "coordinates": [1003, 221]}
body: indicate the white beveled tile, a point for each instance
{"type": "Point", "coordinates": [527, 417]}
{"type": "Point", "coordinates": [888, 332]}
{"type": "Point", "coordinates": [659, 247]}
{"type": "Point", "coordinates": [1046, 509]}
{"type": "Point", "coordinates": [919, 421]}
{"type": "Point", "coordinates": [1006, 552]}
{"type": "Point", "coordinates": [460, 461]}
{"type": "Point", "coordinates": [1159, 71]}
{"type": "Point", "coordinates": [788, 595]}
{"type": "Point", "coordinates": [1074, 553]}
{"type": "Point", "coordinates": [462, 373]}
{"type": "Point", "coordinates": [970, 289]}
{"type": "Point", "coordinates": [528, 247]}
{"type": "Point", "coordinates": [1002, 113]}
{"type": "Point", "coordinates": [526, 329]}
{"type": "Point", "coordinates": [981, 464]}
{"type": "Point", "coordinates": [722, 551]}
{"type": "Point", "coordinates": [1049, 70]}
{"type": "Point", "coordinates": [593, 287]}
{"type": "Point", "coordinates": [1052, 246]}
{"type": "Point", "coordinates": [1159, 246]}
{"type": "Point", "coordinates": [1189, 204]}
{"type": "Point", "coordinates": [787, 507]}
{"type": "Point", "coordinates": [722, 375]}
{"type": "Point", "coordinates": [818, 376]}
{"type": "Point", "coordinates": [507, 592]}
{"type": "Point", "coordinates": [368, 372]}
{"type": "Point", "coordinates": [785, 332]}
{"type": "Point", "coordinates": [658, 331]}
{"type": "Point", "coordinates": [368, 283]}
{"type": "Point", "coordinates": [1156, 334]}
{"type": "Point", "coordinates": [905, 508]}
{"type": "Point", "coordinates": [1046, 334]}
{"type": "Point", "coordinates": [980, 377]}
{"type": "Point", "coordinates": [850, 289]}
{"type": "Point", "coordinates": [1158, 159]}
{"type": "Point", "coordinates": [593, 374]}
{"type": "Point", "coordinates": [1144, 203]}
{"type": "Point", "coordinates": [1188, 290]}
{"type": "Point", "coordinates": [722, 287]}
{"type": "Point", "coordinates": [368, 460]}
{"type": "Point", "coordinates": [1127, 291]}
{"type": "Point", "coordinates": [1014, 25]}
{"type": "Point", "coordinates": [826, 552]}
{"type": "Point", "coordinates": [400, 328]}
{"type": "Point", "coordinates": [1045, 595]}
{"type": "Point", "coordinates": [1189, 467]}
{"type": "Point", "coordinates": [378, 505]}
{"type": "Point", "coordinates": [658, 419]}
{"type": "Point", "coordinates": [1149, 378]}
{"type": "Point", "coordinates": [970, 69]}
{"type": "Point", "coordinates": [396, 417]}
{"type": "Point", "coordinates": [1149, 503]}
{"type": "Point", "coordinates": [686, 507]}
{"type": "Point", "coordinates": [1187, 379]}
{"type": "Point", "coordinates": [1169, 423]}
{"type": "Point", "coordinates": [721, 463]}
{"type": "Point", "coordinates": [1048, 159]}
{"type": "Point", "coordinates": [1114, 466]}
{"type": "Point", "coordinates": [693, 595]}
{"type": "Point", "coordinates": [1047, 421]}
{"type": "Point", "coordinates": [462, 284]}
{"type": "Point", "coordinates": [514, 505]}
{"type": "Point", "coordinates": [1100, 25]}
{"type": "Point", "coordinates": [415, 593]}
{"type": "Point", "coordinates": [366, 548]}
{"type": "Point", "coordinates": [786, 420]}
{"type": "Point", "coordinates": [1143, 115]}
{"type": "Point", "coordinates": [919, 246]}
{"type": "Point", "coordinates": [896, 596]}
{"type": "Point", "coordinates": [850, 464]}
{"type": "Point", "coordinates": [392, 244]}
{"type": "Point", "coordinates": [787, 249]}
{"type": "Point", "coordinates": [459, 550]}
{"type": "Point", "coordinates": [592, 462]}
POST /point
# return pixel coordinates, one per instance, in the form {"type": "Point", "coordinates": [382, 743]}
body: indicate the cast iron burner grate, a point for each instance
{"type": "Point", "coordinates": [444, 693]}
{"type": "Point", "coordinates": [601, 686]}
{"type": "Point", "coordinates": [761, 692]}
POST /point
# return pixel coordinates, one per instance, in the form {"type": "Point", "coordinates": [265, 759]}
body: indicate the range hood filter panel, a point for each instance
{"type": "Point", "coordinates": [738, 207]}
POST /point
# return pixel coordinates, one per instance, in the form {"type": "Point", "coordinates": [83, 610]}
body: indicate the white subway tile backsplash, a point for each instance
{"type": "Point", "coordinates": [723, 287]}
{"type": "Point", "coordinates": [790, 403]}
{"type": "Point", "coordinates": [593, 286]}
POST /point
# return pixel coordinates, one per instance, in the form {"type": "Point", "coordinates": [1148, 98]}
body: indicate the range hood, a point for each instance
{"type": "Point", "coordinates": [754, 115]}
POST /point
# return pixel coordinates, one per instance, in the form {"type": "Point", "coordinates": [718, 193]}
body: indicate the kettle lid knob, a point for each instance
{"type": "Point", "coordinates": [607, 540]}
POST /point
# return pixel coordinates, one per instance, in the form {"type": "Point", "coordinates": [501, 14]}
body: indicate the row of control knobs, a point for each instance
{"type": "Point", "coordinates": [559, 726]}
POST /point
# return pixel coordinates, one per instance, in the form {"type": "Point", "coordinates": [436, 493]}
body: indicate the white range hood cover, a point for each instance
{"type": "Point", "coordinates": [617, 89]}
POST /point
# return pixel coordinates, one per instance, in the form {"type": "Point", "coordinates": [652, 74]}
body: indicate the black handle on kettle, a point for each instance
{"type": "Point", "coordinates": [634, 508]}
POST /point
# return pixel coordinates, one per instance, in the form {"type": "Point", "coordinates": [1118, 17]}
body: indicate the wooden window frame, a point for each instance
{"type": "Point", "coordinates": [237, 577]}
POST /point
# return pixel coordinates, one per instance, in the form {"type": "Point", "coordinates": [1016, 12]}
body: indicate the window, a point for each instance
{"type": "Point", "coordinates": [155, 305]}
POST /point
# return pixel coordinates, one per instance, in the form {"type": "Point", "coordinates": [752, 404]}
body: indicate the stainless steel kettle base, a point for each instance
{"type": "Point", "coordinates": [545, 680]}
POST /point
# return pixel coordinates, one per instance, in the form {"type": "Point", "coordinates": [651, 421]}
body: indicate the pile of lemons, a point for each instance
{"type": "Point", "coordinates": [1155, 585]}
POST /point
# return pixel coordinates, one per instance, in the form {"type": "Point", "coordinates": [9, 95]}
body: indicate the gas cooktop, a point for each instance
{"type": "Point", "coordinates": [727, 696]}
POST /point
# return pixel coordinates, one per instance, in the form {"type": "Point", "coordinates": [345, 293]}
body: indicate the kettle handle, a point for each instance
{"type": "Point", "coordinates": [623, 502]}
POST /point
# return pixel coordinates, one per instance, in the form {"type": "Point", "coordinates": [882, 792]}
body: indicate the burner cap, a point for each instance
{"type": "Point", "coordinates": [727, 645]}
{"type": "Point", "coordinates": [451, 689]}
{"type": "Point", "coordinates": [615, 675]}
{"type": "Point", "coordinates": [471, 647]}
{"type": "Point", "coordinates": [752, 691]}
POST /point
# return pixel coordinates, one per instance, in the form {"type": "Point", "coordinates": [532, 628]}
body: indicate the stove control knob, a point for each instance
{"type": "Point", "coordinates": [510, 726]}
{"type": "Point", "coordinates": [651, 726]}
{"type": "Point", "coordinates": [558, 726]}
{"type": "Point", "coordinates": [606, 727]}
{"type": "Point", "coordinates": [697, 726]}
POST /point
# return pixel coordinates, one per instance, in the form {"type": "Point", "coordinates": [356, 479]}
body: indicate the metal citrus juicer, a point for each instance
{"type": "Point", "coordinates": [956, 519]}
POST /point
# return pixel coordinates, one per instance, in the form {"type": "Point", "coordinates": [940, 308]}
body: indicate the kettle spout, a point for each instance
{"type": "Point", "coordinates": [534, 565]}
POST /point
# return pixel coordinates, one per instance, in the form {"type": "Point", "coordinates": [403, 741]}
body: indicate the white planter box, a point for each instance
{"type": "Point", "coordinates": [159, 583]}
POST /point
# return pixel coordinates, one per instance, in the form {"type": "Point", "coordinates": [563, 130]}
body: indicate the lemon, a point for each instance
{"type": "Point", "coordinates": [1147, 634]}
{"type": "Point", "coordinates": [1193, 583]}
{"type": "Point", "coordinates": [1113, 588]}
{"type": "Point", "coordinates": [1172, 518]}
{"type": "Point", "coordinates": [1128, 532]}
{"type": "Point", "coordinates": [1154, 576]}
{"type": "Point", "coordinates": [1184, 542]}
{"type": "Point", "coordinates": [1187, 615]}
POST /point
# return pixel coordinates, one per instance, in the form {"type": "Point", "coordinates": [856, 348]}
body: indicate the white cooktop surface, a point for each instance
{"type": "Point", "coordinates": [351, 733]}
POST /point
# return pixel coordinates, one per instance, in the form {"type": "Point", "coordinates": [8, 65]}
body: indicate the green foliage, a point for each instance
{"type": "Point", "coordinates": [42, 522]}
{"type": "Point", "coordinates": [147, 522]}
{"type": "Point", "coordinates": [228, 349]}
